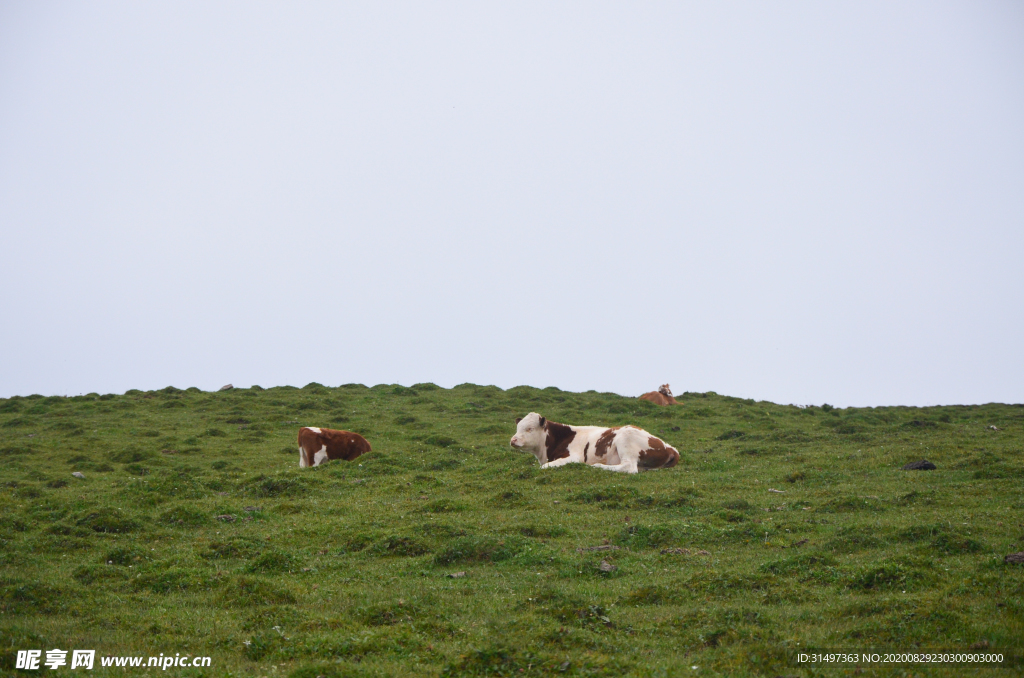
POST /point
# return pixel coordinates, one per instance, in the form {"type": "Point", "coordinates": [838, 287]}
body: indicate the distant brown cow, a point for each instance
{"type": "Point", "coordinates": [663, 396]}
{"type": "Point", "coordinates": [317, 445]}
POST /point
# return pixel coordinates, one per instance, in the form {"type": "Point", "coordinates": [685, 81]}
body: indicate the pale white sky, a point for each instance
{"type": "Point", "coordinates": [795, 201]}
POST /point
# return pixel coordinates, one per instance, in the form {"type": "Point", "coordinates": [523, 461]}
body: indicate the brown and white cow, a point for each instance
{"type": "Point", "coordinates": [317, 445]}
{"type": "Point", "coordinates": [621, 448]}
{"type": "Point", "coordinates": [663, 396]}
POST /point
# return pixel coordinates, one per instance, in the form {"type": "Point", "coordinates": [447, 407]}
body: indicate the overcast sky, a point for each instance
{"type": "Point", "coordinates": [798, 202]}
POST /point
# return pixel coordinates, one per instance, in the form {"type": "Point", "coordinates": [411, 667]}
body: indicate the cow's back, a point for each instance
{"type": "Point", "coordinates": [658, 398]}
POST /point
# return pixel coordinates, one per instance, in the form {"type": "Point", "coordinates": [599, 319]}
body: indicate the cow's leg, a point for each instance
{"type": "Point", "coordinates": [558, 462]}
{"type": "Point", "coordinates": [624, 467]}
{"type": "Point", "coordinates": [302, 458]}
{"type": "Point", "coordinates": [320, 457]}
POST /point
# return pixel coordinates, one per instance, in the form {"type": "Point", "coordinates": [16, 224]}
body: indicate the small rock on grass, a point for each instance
{"type": "Point", "coordinates": [605, 566]}
{"type": "Point", "coordinates": [1017, 558]}
{"type": "Point", "coordinates": [226, 387]}
{"type": "Point", "coordinates": [923, 465]}
{"type": "Point", "coordinates": [227, 518]}
{"type": "Point", "coordinates": [79, 474]}
{"type": "Point", "coordinates": [456, 575]}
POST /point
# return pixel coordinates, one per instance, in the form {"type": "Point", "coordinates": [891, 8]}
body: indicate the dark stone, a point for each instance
{"type": "Point", "coordinates": [1015, 558]}
{"type": "Point", "coordinates": [923, 465]}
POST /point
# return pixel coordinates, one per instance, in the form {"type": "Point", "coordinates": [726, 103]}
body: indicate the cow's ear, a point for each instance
{"type": "Point", "coordinates": [542, 421]}
{"type": "Point", "coordinates": [518, 419]}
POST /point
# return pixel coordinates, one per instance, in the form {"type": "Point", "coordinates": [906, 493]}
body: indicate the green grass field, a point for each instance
{"type": "Point", "coordinates": [195, 532]}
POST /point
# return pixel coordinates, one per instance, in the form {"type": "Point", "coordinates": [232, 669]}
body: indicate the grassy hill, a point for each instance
{"type": "Point", "coordinates": [195, 532]}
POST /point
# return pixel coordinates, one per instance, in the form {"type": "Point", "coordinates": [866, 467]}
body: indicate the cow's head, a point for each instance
{"type": "Point", "coordinates": [665, 390]}
{"type": "Point", "coordinates": [529, 433]}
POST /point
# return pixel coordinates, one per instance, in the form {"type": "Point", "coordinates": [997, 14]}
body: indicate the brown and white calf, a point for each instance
{"type": "Point", "coordinates": [621, 448]}
{"type": "Point", "coordinates": [317, 445]}
{"type": "Point", "coordinates": [663, 396]}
